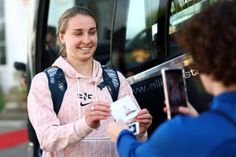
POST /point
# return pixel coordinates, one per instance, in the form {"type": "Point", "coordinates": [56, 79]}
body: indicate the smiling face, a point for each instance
{"type": "Point", "coordinates": [80, 38]}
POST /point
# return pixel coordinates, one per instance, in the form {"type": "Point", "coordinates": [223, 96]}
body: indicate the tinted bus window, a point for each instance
{"type": "Point", "coordinates": [135, 35]}
{"type": "Point", "coordinates": [141, 32]}
{"type": "Point", "coordinates": [181, 12]}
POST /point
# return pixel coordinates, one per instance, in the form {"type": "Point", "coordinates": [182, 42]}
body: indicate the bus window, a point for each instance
{"type": "Point", "coordinates": [181, 12]}
{"type": "Point", "coordinates": [140, 35]}
{"type": "Point", "coordinates": [102, 9]}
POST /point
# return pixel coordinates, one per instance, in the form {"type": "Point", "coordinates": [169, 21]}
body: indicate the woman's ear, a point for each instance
{"type": "Point", "coordinates": [61, 38]}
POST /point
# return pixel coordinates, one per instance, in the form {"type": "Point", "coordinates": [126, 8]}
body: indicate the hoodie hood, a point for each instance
{"type": "Point", "coordinates": [70, 72]}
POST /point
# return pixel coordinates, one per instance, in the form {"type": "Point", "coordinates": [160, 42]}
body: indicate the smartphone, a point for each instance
{"type": "Point", "coordinates": [174, 90]}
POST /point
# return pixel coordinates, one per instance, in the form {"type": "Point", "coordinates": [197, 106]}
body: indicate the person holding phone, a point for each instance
{"type": "Point", "coordinates": [210, 37]}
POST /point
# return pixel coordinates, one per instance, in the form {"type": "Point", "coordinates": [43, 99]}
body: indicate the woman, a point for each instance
{"type": "Point", "coordinates": [210, 37]}
{"type": "Point", "coordinates": [79, 129]}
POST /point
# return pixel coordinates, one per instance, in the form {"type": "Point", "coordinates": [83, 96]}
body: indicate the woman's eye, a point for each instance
{"type": "Point", "coordinates": [92, 33]}
{"type": "Point", "coordinates": [78, 34]}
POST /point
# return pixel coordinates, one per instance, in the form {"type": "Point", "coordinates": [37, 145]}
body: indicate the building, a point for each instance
{"type": "Point", "coordinates": [14, 18]}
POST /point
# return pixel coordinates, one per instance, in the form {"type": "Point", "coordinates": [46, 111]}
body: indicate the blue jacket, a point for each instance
{"type": "Point", "coordinates": [185, 136]}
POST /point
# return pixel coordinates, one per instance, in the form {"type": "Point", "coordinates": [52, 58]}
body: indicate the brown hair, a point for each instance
{"type": "Point", "coordinates": [210, 37]}
{"type": "Point", "coordinates": [63, 21]}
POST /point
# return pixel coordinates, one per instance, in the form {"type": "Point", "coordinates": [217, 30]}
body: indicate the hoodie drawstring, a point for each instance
{"type": "Point", "coordinates": [95, 91]}
{"type": "Point", "coordinates": [78, 99]}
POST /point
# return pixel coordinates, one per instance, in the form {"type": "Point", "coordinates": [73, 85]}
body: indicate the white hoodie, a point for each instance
{"type": "Point", "coordinates": [67, 134]}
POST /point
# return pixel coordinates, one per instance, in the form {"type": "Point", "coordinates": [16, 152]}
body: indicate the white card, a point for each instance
{"type": "Point", "coordinates": [124, 109]}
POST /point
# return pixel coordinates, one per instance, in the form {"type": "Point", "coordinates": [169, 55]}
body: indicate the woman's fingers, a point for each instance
{"type": "Point", "coordinates": [189, 110]}
{"type": "Point", "coordinates": [97, 111]}
{"type": "Point", "coordinates": [144, 115]}
{"type": "Point", "coordinates": [145, 120]}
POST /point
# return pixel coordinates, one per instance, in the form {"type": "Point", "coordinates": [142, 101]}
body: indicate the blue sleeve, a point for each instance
{"type": "Point", "coordinates": [165, 138]}
{"type": "Point", "coordinates": [129, 146]}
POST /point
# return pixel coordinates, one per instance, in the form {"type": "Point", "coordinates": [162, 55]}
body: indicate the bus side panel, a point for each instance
{"type": "Point", "coordinates": [150, 94]}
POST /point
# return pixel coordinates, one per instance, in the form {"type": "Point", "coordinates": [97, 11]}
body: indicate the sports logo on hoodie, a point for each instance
{"type": "Point", "coordinates": [85, 99]}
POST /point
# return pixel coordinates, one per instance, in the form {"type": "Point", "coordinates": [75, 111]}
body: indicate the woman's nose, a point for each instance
{"type": "Point", "coordinates": [86, 38]}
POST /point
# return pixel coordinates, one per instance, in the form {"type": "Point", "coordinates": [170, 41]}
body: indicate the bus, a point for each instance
{"type": "Point", "coordinates": [137, 37]}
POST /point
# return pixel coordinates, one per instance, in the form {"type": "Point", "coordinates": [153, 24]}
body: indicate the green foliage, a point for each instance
{"type": "Point", "coordinates": [18, 93]}
{"type": "Point", "coordinates": [2, 100]}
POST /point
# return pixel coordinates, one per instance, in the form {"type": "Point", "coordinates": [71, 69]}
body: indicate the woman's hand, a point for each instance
{"type": "Point", "coordinates": [189, 110]}
{"type": "Point", "coordinates": [145, 120]}
{"type": "Point", "coordinates": [95, 112]}
{"type": "Point", "coordinates": [114, 129]}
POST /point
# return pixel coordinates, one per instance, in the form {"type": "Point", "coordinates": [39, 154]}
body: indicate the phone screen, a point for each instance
{"type": "Point", "coordinates": [174, 89]}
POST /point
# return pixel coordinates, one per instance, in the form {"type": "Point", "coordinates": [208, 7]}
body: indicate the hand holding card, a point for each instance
{"type": "Point", "coordinates": [124, 109]}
